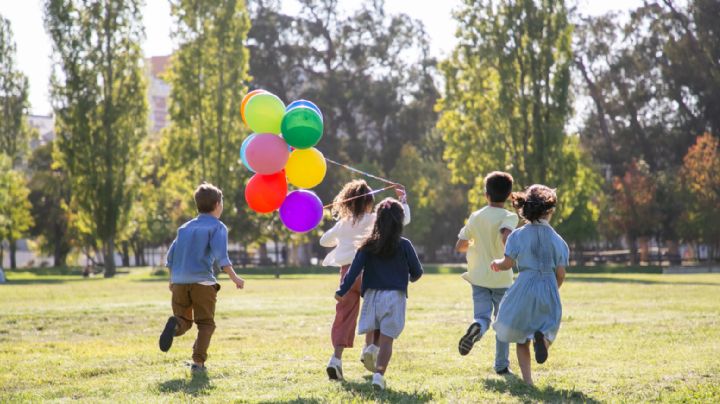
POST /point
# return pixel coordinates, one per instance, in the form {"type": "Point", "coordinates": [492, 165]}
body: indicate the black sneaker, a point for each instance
{"type": "Point", "coordinates": [166, 338]}
{"type": "Point", "coordinates": [468, 340]}
{"type": "Point", "coordinates": [541, 353]}
{"type": "Point", "coordinates": [504, 372]}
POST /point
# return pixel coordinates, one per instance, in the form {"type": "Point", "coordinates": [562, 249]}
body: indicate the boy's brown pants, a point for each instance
{"type": "Point", "coordinates": [198, 301]}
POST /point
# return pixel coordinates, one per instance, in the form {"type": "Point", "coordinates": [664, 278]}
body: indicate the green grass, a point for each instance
{"type": "Point", "coordinates": [624, 338]}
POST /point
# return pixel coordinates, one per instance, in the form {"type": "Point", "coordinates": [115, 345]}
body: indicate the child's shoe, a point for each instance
{"type": "Point", "coordinates": [468, 340]}
{"type": "Point", "coordinates": [378, 381]}
{"type": "Point", "coordinates": [504, 372]}
{"type": "Point", "coordinates": [166, 338]}
{"type": "Point", "coordinates": [369, 357]}
{"type": "Point", "coordinates": [195, 368]}
{"type": "Point", "coordinates": [334, 369]}
{"type": "Point", "coordinates": [541, 353]}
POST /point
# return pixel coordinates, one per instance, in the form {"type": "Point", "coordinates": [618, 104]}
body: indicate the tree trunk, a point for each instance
{"type": "Point", "coordinates": [2, 253]}
{"type": "Point", "coordinates": [59, 256]}
{"type": "Point", "coordinates": [109, 257]}
{"type": "Point", "coordinates": [634, 256]}
{"type": "Point", "coordinates": [13, 250]}
{"type": "Point", "coordinates": [125, 253]}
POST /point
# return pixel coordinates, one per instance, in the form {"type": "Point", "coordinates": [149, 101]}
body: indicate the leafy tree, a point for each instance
{"type": "Point", "coordinates": [702, 189]}
{"type": "Point", "coordinates": [14, 129]}
{"type": "Point", "coordinates": [15, 218]}
{"type": "Point", "coordinates": [49, 196]}
{"type": "Point", "coordinates": [208, 75]}
{"type": "Point", "coordinates": [98, 93]}
{"type": "Point", "coordinates": [15, 132]}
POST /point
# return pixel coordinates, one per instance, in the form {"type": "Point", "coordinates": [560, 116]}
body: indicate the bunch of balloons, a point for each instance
{"type": "Point", "coordinates": [280, 151]}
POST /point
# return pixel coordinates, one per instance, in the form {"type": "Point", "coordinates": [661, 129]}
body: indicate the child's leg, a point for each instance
{"type": "Point", "coordinates": [346, 314]}
{"type": "Point", "coordinates": [502, 349]}
{"type": "Point", "coordinates": [182, 308]}
{"type": "Point", "coordinates": [523, 354]}
{"type": "Point", "coordinates": [372, 338]}
{"type": "Point", "coordinates": [203, 301]}
{"type": "Point", "coordinates": [385, 353]}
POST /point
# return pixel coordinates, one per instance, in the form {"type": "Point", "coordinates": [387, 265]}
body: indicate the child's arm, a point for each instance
{"type": "Point", "coordinates": [502, 264]}
{"type": "Point", "coordinates": [168, 262]}
{"type": "Point", "coordinates": [462, 246]}
{"type": "Point", "coordinates": [504, 233]}
{"type": "Point", "coordinates": [329, 238]}
{"type": "Point", "coordinates": [416, 270]}
{"type": "Point", "coordinates": [218, 245]}
{"type": "Point", "coordinates": [357, 266]}
{"type": "Point", "coordinates": [239, 282]}
{"type": "Point", "coordinates": [402, 197]}
{"type": "Point", "coordinates": [560, 275]}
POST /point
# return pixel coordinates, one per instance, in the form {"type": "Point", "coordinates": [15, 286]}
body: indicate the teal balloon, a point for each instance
{"type": "Point", "coordinates": [302, 127]}
{"type": "Point", "coordinates": [264, 113]}
{"type": "Point", "coordinates": [244, 146]}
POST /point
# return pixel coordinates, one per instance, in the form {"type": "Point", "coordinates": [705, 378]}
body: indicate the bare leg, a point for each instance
{"type": "Point", "coordinates": [385, 353]}
{"type": "Point", "coordinates": [523, 354]}
{"type": "Point", "coordinates": [339, 351]}
{"type": "Point", "coordinates": [372, 338]}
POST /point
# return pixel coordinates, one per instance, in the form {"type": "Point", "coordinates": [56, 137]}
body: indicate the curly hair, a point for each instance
{"type": "Point", "coordinates": [353, 201]}
{"type": "Point", "coordinates": [384, 240]}
{"type": "Point", "coordinates": [535, 202]}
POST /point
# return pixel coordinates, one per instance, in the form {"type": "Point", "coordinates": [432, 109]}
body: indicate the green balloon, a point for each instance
{"type": "Point", "coordinates": [302, 127]}
{"type": "Point", "coordinates": [264, 113]}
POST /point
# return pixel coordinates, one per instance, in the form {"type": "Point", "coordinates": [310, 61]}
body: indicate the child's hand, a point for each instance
{"type": "Point", "coordinates": [400, 193]}
{"type": "Point", "coordinates": [239, 282]}
{"type": "Point", "coordinates": [338, 298]}
{"type": "Point", "coordinates": [170, 286]}
{"type": "Point", "coordinates": [495, 265]}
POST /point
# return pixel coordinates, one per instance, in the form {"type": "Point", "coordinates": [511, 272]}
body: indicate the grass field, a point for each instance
{"type": "Point", "coordinates": [627, 337]}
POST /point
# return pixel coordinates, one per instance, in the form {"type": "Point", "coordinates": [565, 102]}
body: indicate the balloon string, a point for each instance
{"type": "Point", "coordinates": [361, 172]}
{"type": "Point", "coordinates": [358, 196]}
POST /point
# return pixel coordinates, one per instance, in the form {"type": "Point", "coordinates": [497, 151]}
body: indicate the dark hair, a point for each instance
{"type": "Point", "coordinates": [498, 186]}
{"type": "Point", "coordinates": [207, 196]}
{"type": "Point", "coordinates": [534, 202]}
{"type": "Point", "coordinates": [353, 201]}
{"type": "Point", "coordinates": [384, 239]}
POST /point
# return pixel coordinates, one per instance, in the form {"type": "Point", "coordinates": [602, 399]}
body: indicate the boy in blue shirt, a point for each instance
{"type": "Point", "coordinates": [199, 244]}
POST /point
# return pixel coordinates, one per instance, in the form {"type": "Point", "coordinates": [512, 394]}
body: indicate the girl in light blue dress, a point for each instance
{"type": "Point", "coordinates": [531, 308]}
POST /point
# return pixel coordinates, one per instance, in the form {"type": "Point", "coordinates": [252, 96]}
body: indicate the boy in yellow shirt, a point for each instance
{"type": "Point", "coordinates": [483, 240]}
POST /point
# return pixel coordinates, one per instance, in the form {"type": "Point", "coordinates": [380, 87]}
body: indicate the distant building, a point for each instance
{"type": "Point", "coordinates": [45, 125]}
{"type": "Point", "coordinates": [158, 92]}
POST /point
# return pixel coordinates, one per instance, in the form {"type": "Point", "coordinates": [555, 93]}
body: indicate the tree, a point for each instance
{"type": "Point", "coordinates": [15, 218]}
{"type": "Point", "coordinates": [507, 102]}
{"type": "Point", "coordinates": [98, 94]}
{"type": "Point", "coordinates": [49, 196]}
{"type": "Point", "coordinates": [702, 190]}
{"type": "Point", "coordinates": [208, 75]}
{"type": "Point", "coordinates": [14, 130]}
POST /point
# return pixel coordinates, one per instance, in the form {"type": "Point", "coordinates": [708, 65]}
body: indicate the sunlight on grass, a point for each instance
{"type": "Point", "coordinates": [629, 337]}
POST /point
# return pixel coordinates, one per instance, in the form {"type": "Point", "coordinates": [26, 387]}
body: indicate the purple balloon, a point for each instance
{"type": "Point", "coordinates": [301, 211]}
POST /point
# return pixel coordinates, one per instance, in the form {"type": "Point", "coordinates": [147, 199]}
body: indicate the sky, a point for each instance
{"type": "Point", "coordinates": [33, 44]}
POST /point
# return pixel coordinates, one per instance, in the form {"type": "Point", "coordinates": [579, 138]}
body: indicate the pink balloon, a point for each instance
{"type": "Point", "coordinates": [267, 153]}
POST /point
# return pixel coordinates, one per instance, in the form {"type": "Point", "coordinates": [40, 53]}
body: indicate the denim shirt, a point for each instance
{"type": "Point", "coordinates": [537, 247]}
{"type": "Point", "coordinates": [199, 243]}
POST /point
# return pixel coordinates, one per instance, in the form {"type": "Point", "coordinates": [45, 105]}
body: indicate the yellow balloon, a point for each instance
{"type": "Point", "coordinates": [306, 168]}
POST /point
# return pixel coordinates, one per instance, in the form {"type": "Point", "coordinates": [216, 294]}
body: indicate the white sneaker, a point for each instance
{"type": "Point", "coordinates": [334, 369]}
{"type": "Point", "coordinates": [378, 381]}
{"type": "Point", "coordinates": [369, 357]}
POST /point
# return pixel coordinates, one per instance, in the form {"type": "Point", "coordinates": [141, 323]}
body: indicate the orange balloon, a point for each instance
{"type": "Point", "coordinates": [245, 101]}
{"type": "Point", "coordinates": [265, 193]}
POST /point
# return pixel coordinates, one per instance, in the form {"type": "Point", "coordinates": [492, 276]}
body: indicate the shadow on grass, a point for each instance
{"type": "Point", "coordinates": [597, 279]}
{"type": "Point", "coordinates": [199, 384]}
{"type": "Point", "coordinates": [47, 281]}
{"type": "Point", "coordinates": [365, 391]}
{"type": "Point", "coordinates": [516, 387]}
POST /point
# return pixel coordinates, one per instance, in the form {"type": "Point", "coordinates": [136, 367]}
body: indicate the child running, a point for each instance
{"type": "Point", "coordinates": [531, 308]}
{"type": "Point", "coordinates": [199, 244]}
{"type": "Point", "coordinates": [353, 209]}
{"type": "Point", "coordinates": [483, 239]}
{"type": "Point", "coordinates": [387, 261]}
